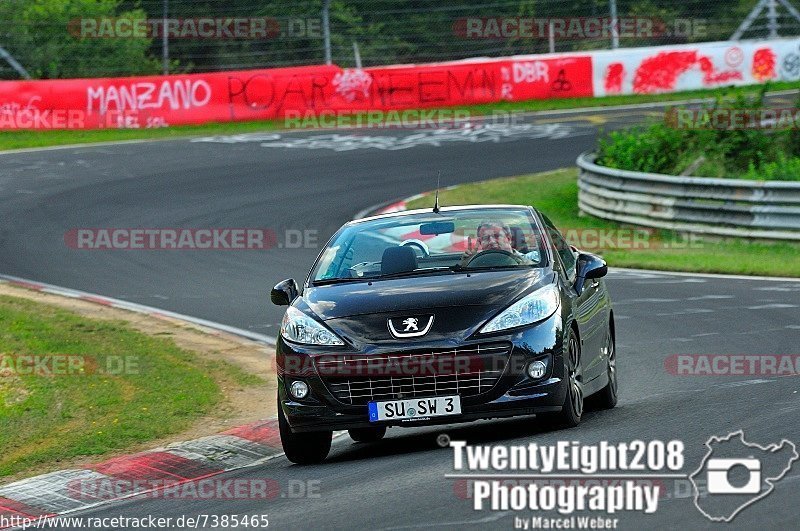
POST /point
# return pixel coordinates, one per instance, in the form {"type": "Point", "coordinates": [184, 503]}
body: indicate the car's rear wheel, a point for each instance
{"type": "Point", "coordinates": [303, 448]}
{"type": "Point", "coordinates": [367, 435]}
{"type": "Point", "coordinates": [607, 396]}
{"type": "Point", "coordinates": [572, 410]}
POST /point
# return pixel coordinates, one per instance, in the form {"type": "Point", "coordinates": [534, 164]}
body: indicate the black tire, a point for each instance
{"type": "Point", "coordinates": [303, 448]}
{"type": "Point", "coordinates": [607, 396]}
{"type": "Point", "coordinates": [367, 435]}
{"type": "Point", "coordinates": [572, 410]}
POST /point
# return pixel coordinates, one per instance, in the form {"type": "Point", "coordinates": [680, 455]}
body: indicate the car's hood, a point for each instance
{"type": "Point", "coordinates": [491, 289]}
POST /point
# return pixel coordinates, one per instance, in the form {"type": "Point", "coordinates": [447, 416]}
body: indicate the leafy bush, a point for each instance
{"type": "Point", "coordinates": [784, 169]}
{"type": "Point", "coordinates": [706, 151]}
{"type": "Point", "coordinates": [37, 34]}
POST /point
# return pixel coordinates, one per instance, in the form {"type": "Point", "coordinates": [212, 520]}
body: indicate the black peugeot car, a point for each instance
{"type": "Point", "coordinates": [441, 316]}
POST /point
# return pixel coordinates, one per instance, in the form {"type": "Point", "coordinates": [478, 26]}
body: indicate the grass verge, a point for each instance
{"type": "Point", "coordinates": [100, 387]}
{"type": "Point", "coordinates": [556, 195]}
{"type": "Point", "coordinates": [34, 139]}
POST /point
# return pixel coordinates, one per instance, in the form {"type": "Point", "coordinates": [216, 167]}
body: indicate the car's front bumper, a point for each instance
{"type": "Point", "coordinates": [515, 394]}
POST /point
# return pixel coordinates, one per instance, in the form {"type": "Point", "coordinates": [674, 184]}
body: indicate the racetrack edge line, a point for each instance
{"type": "Point", "coordinates": [135, 307]}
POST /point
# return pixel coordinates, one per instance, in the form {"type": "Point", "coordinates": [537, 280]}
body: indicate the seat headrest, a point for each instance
{"type": "Point", "coordinates": [518, 240]}
{"type": "Point", "coordinates": [398, 260]}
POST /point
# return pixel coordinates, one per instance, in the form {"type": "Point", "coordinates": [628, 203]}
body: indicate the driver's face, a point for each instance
{"type": "Point", "coordinates": [494, 237]}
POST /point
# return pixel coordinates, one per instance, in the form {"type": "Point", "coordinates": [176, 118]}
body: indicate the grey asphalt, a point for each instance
{"type": "Point", "coordinates": [180, 183]}
{"type": "Point", "coordinates": [399, 482]}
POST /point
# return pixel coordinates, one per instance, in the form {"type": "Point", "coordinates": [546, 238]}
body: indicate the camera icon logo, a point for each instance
{"type": "Point", "coordinates": [735, 474]}
{"type": "Point", "coordinates": [718, 480]}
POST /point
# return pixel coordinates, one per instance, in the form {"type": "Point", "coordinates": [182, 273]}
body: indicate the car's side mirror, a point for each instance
{"type": "Point", "coordinates": [589, 266]}
{"type": "Point", "coordinates": [284, 292]}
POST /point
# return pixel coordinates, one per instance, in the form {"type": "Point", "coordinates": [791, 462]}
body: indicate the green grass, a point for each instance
{"type": "Point", "coordinates": [556, 195]}
{"type": "Point", "coordinates": [33, 139]}
{"type": "Point", "coordinates": [45, 419]}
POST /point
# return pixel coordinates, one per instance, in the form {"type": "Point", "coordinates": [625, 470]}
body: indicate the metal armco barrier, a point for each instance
{"type": "Point", "coordinates": [721, 207]}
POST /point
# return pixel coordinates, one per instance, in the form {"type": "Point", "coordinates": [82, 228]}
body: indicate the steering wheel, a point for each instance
{"type": "Point", "coordinates": [417, 244]}
{"type": "Point", "coordinates": [493, 257]}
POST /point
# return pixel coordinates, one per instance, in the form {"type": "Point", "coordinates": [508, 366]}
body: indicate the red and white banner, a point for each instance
{"type": "Point", "coordinates": [160, 101]}
{"type": "Point", "coordinates": [699, 66]}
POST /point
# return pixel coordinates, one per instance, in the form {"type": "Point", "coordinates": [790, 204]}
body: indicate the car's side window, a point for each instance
{"type": "Point", "coordinates": [561, 247]}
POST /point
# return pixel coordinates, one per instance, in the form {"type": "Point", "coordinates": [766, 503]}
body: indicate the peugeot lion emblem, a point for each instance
{"type": "Point", "coordinates": [410, 326]}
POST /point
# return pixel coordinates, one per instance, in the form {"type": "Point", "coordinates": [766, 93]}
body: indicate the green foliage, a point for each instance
{"type": "Point", "coordinates": [37, 33]}
{"type": "Point", "coordinates": [783, 169]}
{"type": "Point", "coordinates": [640, 148]}
{"type": "Point", "coordinates": [387, 32]}
{"type": "Point", "coordinates": [670, 146]}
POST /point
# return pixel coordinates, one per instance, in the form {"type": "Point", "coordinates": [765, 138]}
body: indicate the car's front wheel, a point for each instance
{"type": "Point", "coordinates": [303, 448]}
{"type": "Point", "coordinates": [572, 410]}
{"type": "Point", "coordinates": [607, 397]}
{"type": "Point", "coordinates": [367, 435]}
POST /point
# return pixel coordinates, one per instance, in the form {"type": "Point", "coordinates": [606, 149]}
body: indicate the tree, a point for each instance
{"type": "Point", "coordinates": [44, 36]}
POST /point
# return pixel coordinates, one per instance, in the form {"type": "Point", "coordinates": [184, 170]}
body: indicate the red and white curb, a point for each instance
{"type": "Point", "coordinates": [72, 490]}
{"type": "Point", "coordinates": [384, 208]}
{"type": "Point", "coordinates": [395, 206]}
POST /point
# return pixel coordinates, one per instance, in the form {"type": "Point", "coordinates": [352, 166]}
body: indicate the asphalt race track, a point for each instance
{"type": "Point", "coordinates": [316, 181]}
{"type": "Point", "coordinates": [239, 183]}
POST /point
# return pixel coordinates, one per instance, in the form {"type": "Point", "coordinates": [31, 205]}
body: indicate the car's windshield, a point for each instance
{"type": "Point", "coordinates": [424, 243]}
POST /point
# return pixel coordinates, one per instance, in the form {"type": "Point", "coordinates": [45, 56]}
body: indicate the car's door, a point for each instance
{"type": "Point", "coordinates": [590, 306]}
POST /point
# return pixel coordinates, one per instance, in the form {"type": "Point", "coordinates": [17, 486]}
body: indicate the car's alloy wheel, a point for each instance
{"type": "Point", "coordinates": [607, 397]}
{"type": "Point", "coordinates": [303, 448]}
{"type": "Point", "coordinates": [572, 410]}
{"type": "Point", "coordinates": [367, 435]}
{"type": "Point", "coordinates": [574, 375]}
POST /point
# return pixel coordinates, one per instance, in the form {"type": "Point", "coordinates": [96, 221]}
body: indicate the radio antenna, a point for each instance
{"type": "Point", "coordinates": [436, 202]}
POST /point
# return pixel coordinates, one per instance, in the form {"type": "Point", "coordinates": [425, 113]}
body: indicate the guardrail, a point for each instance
{"type": "Point", "coordinates": [721, 207]}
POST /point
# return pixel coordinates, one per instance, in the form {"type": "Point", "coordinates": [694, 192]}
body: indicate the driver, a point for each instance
{"type": "Point", "coordinates": [492, 235]}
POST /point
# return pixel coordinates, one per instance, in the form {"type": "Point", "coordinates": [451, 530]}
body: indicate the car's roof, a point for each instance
{"type": "Point", "coordinates": [429, 210]}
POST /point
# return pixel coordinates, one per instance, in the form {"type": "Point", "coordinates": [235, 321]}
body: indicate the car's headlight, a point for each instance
{"type": "Point", "coordinates": [300, 328]}
{"type": "Point", "coordinates": [537, 306]}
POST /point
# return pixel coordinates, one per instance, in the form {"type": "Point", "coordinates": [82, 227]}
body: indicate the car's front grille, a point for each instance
{"type": "Point", "coordinates": [465, 371]}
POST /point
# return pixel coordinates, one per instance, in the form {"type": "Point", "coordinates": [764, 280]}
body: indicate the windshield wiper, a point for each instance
{"type": "Point", "coordinates": [464, 269]}
{"type": "Point", "coordinates": [414, 272]}
{"type": "Point", "coordinates": [399, 274]}
{"type": "Point", "coordinates": [341, 280]}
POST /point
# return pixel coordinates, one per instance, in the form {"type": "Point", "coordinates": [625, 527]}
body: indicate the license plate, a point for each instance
{"type": "Point", "coordinates": [415, 408]}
